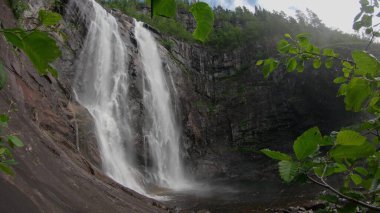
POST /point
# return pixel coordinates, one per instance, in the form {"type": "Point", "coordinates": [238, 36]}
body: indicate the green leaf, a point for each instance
{"type": "Point", "coordinates": [300, 66]}
{"type": "Point", "coordinates": [38, 46]}
{"type": "Point", "coordinates": [288, 170]}
{"type": "Point", "coordinates": [41, 49]}
{"type": "Point", "coordinates": [49, 18]}
{"type": "Point", "coordinates": [349, 137]}
{"type": "Point", "coordinates": [361, 171]}
{"type": "Point", "coordinates": [302, 36]}
{"type": "Point", "coordinates": [291, 64]}
{"type": "Point", "coordinates": [357, 91]}
{"type": "Point", "coordinates": [283, 46]}
{"type": "Point", "coordinates": [307, 143]}
{"type": "Point", "coordinates": [346, 72]}
{"type": "Point", "coordinates": [6, 169]}
{"type": "Point", "coordinates": [276, 155]}
{"type": "Point", "coordinates": [352, 152]}
{"type": "Point", "coordinates": [15, 141]}
{"type": "Point", "coordinates": [329, 198]}
{"type": "Point", "coordinates": [328, 52]}
{"type": "Point", "coordinates": [327, 141]}
{"type": "Point", "coordinates": [329, 63]}
{"type": "Point", "coordinates": [317, 63]}
{"type": "Point", "coordinates": [53, 71]}
{"type": "Point", "coordinates": [342, 90]}
{"type": "Point", "coordinates": [288, 36]}
{"type": "Point", "coordinates": [166, 8]}
{"type": "Point", "coordinates": [205, 20]}
{"type": "Point", "coordinates": [374, 104]}
{"type": "Point", "coordinates": [366, 20]}
{"type": "Point", "coordinates": [357, 25]}
{"type": "Point", "coordinates": [303, 40]}
{"type": "Point", "coordinates": [339, 167]}
{"type": "Point", "coordinates": [369, 9]}
{"type": "Point", "coordinates": [368, 31]}
{"type": "Point", "coordinates": [4, 119]}
{"type": "Point", "coordinates": [358, 16]}
{"type": "Point", "coordinates": [356, 179]}
{"type": "Point", "coordinates": [10, 162]}
{"type": "Point", "coordinates": [293, 50]}
{"type": "Point", "coordinates": [353, 194]}
{"type": "Point", "coordinates": [14, 37]}
{"type": "Point", "coordinates": [340, 80]}
{"type": "Point", "coordinates": [365, 63]}
{"type": "Point", "coordinates": [347, 208]}
{"type": "Point", "coordinates": [364, 3]}
{"type": "Point", "coordinates": [269, 66]}
{"type": "Point", "coordinates": [259, 62]}
{"type": "Point", "coordinates": [316, 50]}
{"type": "Point", "coordinates": [3, 77]}
{"type": "Point", "coordinates": [318, 170]}
{"type": "Point", "coordinates": [347, 64]}
{"type": "Point", "coordinates": [2, 150]}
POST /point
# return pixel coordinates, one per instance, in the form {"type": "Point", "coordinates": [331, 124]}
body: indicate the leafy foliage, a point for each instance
{"type": "Point", "coordinates": [3, 77]}
{"type": "Point", "coordinates": [276, 155]}
{"type": "Point", "coordinates": [201, 11]}
{"type": "Point", "coordinates": [167, 26]}
{"type": "Point", "coordinates": [288, 170]}
{"type": "Point", "coordinates": [307, 143]}
{"type": "Point", "coordinates": [37, 45]}
{"type": "Point", "coordinates": [18, 7]}
{"type": "Point", "coordinates": [7, 143]}
{"type": "Point", "coordinates": [49, 18]}
{"type": "Point", "coordinates": [166, 8]}
{"type": "Point", "coordinates": [41, 49]}
{"type": "Point", "coordinates": [353, 152]}
{"type": "Point", "coordinates": [204, 18]}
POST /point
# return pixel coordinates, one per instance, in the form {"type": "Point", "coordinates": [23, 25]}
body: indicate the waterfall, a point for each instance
{"type": "Point", "coordinates": [161, 129]}
{"type": "Point", "coordinates": [102, 85]}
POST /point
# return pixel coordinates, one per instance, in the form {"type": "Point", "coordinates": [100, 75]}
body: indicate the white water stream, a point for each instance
{"type": "Point", "coordinates": [161, 129]}
{"type": "Point", "coordinates": [101, 86]}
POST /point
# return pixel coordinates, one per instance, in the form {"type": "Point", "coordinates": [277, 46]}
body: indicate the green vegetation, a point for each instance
{"type": "Point", "coordinates": [353, 153]}
{"type": "Point", "coordinates": [204, 17]}
{"type": "Point", "coordinates": [18, 7]}
{"type": "Point", "coordinates": [7, 141]}
{"type": "Point", "coordinates": [41, 49]}
{"type": "Point", "coordinates": [163, 14]}
{"type": "Point", "coordinates": [138, 10]}
{"type": "Point", "coordinates": [243, 29]}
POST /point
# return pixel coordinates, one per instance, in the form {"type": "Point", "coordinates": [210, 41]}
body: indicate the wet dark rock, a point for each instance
{"type": "Point", "coordinates": [230, 111]}
{"type": "Point", "coordinates": [58, 169]}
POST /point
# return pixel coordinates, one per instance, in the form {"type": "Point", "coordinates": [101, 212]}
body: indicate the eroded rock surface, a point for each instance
{"type": "Point", "coordinates": [57, 169]}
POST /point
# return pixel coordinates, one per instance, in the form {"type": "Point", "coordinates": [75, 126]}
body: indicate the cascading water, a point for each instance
{"type": "Point", "coordinates": [102, 87]}
{"type": "Point", "coordinates": [161, 129]}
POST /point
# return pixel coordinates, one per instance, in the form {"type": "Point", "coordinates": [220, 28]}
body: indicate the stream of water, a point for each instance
{"type": "Point", "coordinates": [102, 85]}
{"type": "Point", "coordinates": [161, 132]}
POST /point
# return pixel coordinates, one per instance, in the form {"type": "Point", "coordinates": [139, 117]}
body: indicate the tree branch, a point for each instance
{"type": "Point", "coordinates": [370, 42]}
{"type": "Point", "coordinates": [327, 186]}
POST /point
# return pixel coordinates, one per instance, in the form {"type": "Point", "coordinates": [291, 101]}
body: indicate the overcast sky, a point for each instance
{"type": "Point", "coordinates": [338, 14]}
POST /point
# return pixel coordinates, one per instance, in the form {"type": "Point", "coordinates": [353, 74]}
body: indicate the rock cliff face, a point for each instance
{"type": "Point", "coordinates": [57, 170]}
{"type": "Point", "coordinates": [227, 110]}
{"type": "Point", "coordinates": [233, 111]}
